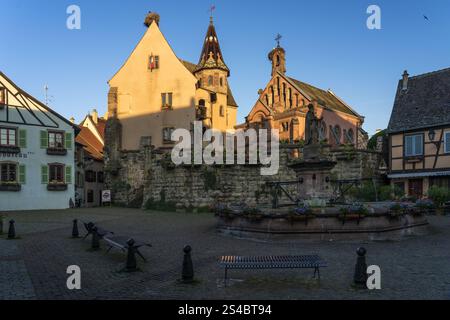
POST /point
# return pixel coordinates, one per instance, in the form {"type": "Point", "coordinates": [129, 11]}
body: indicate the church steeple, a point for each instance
{"type": "Point", "coordinates": [211, 56]}
{"type": "Point", "coordinates": [278, 58]}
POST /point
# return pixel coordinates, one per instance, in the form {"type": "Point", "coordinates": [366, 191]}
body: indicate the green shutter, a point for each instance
{"type": "Point", "coordinates": [68, 141]}
{"type": "Point", "coordinates": [44, 174]}
{"type": "Point", "coordinates": [44, 139]}
{"type": "Point", "coordinates": [22, 138]}
{"type": "Point", "coordinates": [22, 174]}
{"type": "Point", "coordinates": [68, 174]}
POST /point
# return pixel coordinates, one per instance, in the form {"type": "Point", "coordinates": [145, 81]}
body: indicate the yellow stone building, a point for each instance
{"type": "Point", "coordinates": [155, 92]}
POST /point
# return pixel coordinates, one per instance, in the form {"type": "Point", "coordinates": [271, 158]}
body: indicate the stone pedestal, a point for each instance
{"type": "Point", "coordinates": [314, 175]}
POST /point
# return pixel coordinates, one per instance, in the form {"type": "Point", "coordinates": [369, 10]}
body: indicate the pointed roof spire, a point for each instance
{"type": "Point", "coordinates": [211, 56]}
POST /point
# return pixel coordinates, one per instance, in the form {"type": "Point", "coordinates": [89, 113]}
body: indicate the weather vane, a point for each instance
{"type": "Point", "coordinates": [278, 38]}
{"type": "Point", "coordinates": [211, 10]}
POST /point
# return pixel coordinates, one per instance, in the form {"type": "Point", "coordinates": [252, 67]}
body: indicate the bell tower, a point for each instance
{"type": "Point", "coordinates": [211, 69]}
{"type": "Point", "coordinates": [278, 58]}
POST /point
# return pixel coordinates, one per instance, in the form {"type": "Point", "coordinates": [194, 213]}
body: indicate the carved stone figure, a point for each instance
{"type": "Point", "coordinates": [311, 127]}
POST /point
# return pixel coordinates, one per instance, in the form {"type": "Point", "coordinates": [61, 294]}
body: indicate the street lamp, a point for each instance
{"type": "Point", "coordinates": [432, 135]}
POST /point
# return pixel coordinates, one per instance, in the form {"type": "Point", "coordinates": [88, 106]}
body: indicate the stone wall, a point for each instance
{"type": "Point", "coordinates": [148, 179]}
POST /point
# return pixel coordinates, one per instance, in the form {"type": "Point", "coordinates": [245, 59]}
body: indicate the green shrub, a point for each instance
{"type": "Point", "coordinates": [390, 193]}
{"type": "Point", "coordinates": [439, 195]}
{"type": "Point", "coordinates": [364, 193]}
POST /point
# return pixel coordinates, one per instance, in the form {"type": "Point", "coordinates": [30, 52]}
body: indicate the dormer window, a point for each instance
{"type": "Point", "coordinates": [153, 63]}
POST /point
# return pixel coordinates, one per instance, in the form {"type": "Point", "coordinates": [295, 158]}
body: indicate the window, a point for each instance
{"type": "Point", "coordinates": [414, 145]}
{"type": "Point", "coordinates": [166, 99]}
{"type": "Point", "coordinates": [350, 136]}
{"type": "Point", "coordinates": [210, 80]}
{"type": "Point", "coordinates": [90, 176]}
{"type": "Point", "coordinates": [284, 92]}
{"type": "Point", "coordinates": [56, 173]}
{"type": "Point", "coordinates": [2, 95]}
{"type": "Point", "coordinates": [222, 111]}
{"type": "Point", "coordinates": [167, 135]}
{"type": "Point", "coordinates": [447, 142]}
{"type": "Point", "coordinates": [90, 196]}
{"type": "Point", "coordinates": [153, 62]}
{"type": "Point", "coordinates": [267, 99]}
{"type": "Point", "coordinates": [290, 97]}
{"type": "Point", "coordinates": [335, 134]}
{"type": "Point", "coordinates": [272, 93]}
{"type": "Point", "coordinates": [56, 140]}
{"type": "Point", "coordinates": [221, 81]}
{"type": "Point", "coordinates": [8, 137]}
{"type": "Point", "coordinates": [100, 177]}
{"type": "Point", "coordinates": [322, 130]}
{"type": "Point", "coordinates": [8, 172]}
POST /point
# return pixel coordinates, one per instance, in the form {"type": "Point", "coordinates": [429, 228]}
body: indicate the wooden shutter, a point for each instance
{"type": "Point", "coordinates": [22, 174]}
{"type": "Point", "coordinates": [44, 174]}
{"type": "Point", "coordinates": [68, 175]}
{"type": "Point", "coordinates": [22, 138]}
{"type": "Point", "coordinates": [44, 139]}
{"type": "Point", "coordinates": [68, 141]}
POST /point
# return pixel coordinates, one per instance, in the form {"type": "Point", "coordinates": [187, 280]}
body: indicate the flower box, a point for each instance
{"type": "Point", "coordinates": [56, 152]}
{"type": "Point", "coordinates": [10, 187]}
{"type": "Point", "coordinates": [57, 187]}
{"type": "Point", "coordinates": [9, 149]}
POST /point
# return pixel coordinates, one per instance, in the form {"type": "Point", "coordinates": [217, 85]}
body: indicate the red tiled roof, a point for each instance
{"type": "Point", "coordinates": [90, 143]}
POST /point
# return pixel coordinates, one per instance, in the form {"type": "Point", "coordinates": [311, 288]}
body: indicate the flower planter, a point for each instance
{"type": "Point", "coordinates": [57, 187]}
{"type": "Point", "coordinates": [56, 152]}
{"type": "Point", "coordinates": [10, 187]}
{"type": "Point", "coordinates": [13, 150]}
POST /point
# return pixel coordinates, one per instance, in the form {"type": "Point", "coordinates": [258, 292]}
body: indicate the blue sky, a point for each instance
{"type": "Point", "coordinates": [327, 44]}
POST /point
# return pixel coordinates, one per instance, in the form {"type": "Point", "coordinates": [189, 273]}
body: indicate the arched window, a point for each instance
{"type": "Point", "coordinates": [322, 130]}
{"type": "Point", "coordinates": [290, 97]}
{"type": "Point", "coordinates": [284, 93]}
{"type": "Point", "coordinates": [202, 103]}
{"type": "Point", "coordinates": [222, 111]}
{"type": "Point", "coordinates": [278, 60]}
{"type": "Point", "coordinates": [350, 136]}
{"type": "Point", "coordinates": [278, 88]}
{"type": "Point", "coordinates": [273, 94]}
{"type": "Point", "coordinates": [221, 81]}
{"type": "Point", "coordinates": [337, 134]}
{"type": "Point", "coordinates": [210, 80]}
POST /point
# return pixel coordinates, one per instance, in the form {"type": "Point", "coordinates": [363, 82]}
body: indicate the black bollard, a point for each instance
{"type": "Point", "coordinates": [131, 256]}
{"type": "Point", "coordinates": [75, 233]}
{"type": "Point", "coordinates": [95, 239]}
{"type": "Point", "coordinates": [188, 268]}
{"type": "Point", "coordinates": [12, 230]}
{"type": "Point", "coordinates": [360, 277]}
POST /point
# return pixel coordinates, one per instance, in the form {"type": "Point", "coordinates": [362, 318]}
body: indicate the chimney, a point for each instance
{"type": "Point", "coordinates": [405, 80]}
{"type": "Point", "coordinates": [94, 115]}
{"type": "Point", "coordinates": [72, 120]}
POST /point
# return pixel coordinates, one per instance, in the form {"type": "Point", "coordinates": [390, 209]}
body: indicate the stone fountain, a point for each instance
{"type": "Point", "coordinates": [314, 169]}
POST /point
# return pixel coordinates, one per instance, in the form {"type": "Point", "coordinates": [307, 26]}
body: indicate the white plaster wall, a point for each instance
{"type": "Point", "coordinates": [34, 195]}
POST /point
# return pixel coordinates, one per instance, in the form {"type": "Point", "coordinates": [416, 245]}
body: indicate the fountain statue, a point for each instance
{"type": "Point", "coordinates": [314, 168]}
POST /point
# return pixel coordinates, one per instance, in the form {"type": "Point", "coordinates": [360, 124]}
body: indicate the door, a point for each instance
{"type": "Point", "coordinates": [416, 188]}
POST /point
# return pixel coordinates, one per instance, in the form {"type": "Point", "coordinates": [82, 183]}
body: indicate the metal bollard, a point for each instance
{"type": "Point", "coordinates": [187, 274]}
{"type": "Point", "coordinates": [75, 233]}
{"type": "Point", "coordinates": [95, 239]}
{"type": "Point", "coordinates": [12, 230]}
{"type": "Point", "coordinates": [360, 277]}
{"type": "Point", "coordinates": [131, 256]}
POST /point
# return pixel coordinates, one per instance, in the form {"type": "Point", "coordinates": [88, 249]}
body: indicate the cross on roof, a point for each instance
{"type": "Point", "coordinates": [211, 10]}
{"type": "Point", "coordinates": [278, 38]}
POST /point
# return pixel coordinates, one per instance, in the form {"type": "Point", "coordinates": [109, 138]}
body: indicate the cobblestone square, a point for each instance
{"type": "Point", "coordinates": [34, 266]}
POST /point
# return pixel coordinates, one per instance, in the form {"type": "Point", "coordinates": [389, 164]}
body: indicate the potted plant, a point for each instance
{"type": "Point", "coordinates": [425, 205]}
{"type": "Point", "coordinates": [303, 213]}
{"type": "Point", "coordinates": [354, 212]}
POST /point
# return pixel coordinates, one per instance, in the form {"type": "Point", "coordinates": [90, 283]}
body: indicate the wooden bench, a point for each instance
{"type": "Point", "coordinates": [272, 262]}
{"type": "Point", "coordinates": [121, 243]}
